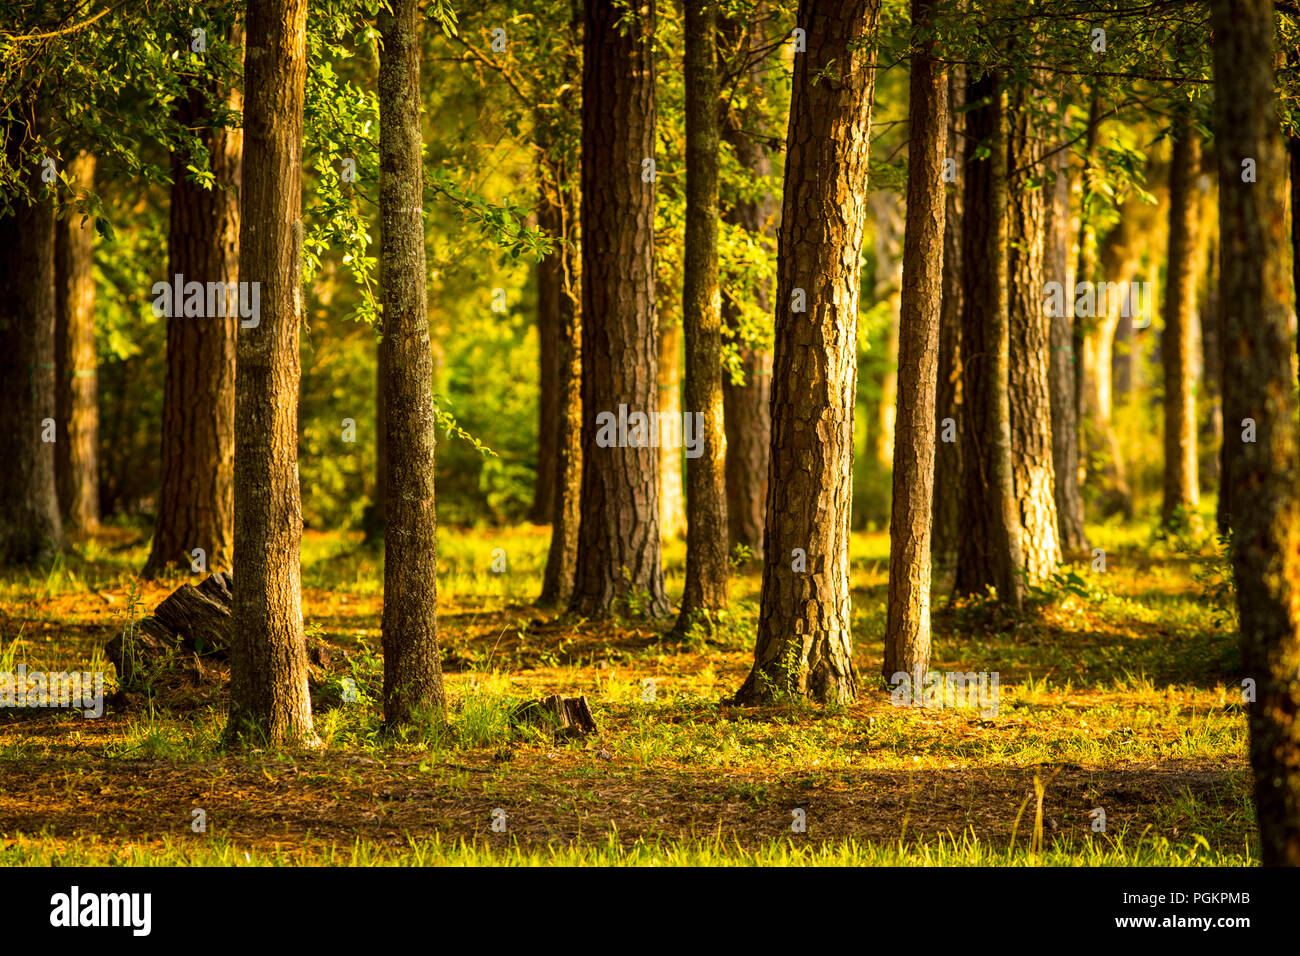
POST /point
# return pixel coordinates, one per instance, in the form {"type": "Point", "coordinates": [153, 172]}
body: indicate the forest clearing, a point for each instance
{"type": "Point", "coordinates": [1117, 692]}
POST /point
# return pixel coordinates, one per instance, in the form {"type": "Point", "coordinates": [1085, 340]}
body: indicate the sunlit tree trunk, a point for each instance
{"type": "Point", "coordinates": [907, 632]}
{"type": "Point", "coordinates": [1258, 294]}
{"type": "Point", "coordinates": [805, 645]}
{"type": "Point", "coordinates": [269, 700]}
{"type": "Point", "coordinates": [76, 453]}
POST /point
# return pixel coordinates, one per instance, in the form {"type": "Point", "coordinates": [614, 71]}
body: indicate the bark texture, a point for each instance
{"type": "Point", "coordinates": [948, 397]}
{"type": "Point", "coordinates": [1258, 290]}
{"type": "Point", "coordinates": [269, 699]}
{"type": "Point", "coordinates": [76, 458]}
{"type": "Point", "coordinates": [805, 645]}
{"type": "Point", "coordinates": [195, 504]}
{"type": "Point", "coordinates": [618, 541]}
{"type": "Point", "coordinates": [31, 530]}
{"type": "Point", "coordinates": [706, 490]}
{"type": "Point", "coordinates": [989, 552]}
{"type": "Point", "coordinates": [907, 633]}
{"type": "Point", "coordinates": [412, 670]}
{"type": "Point", "coordinates": [1030, 347]}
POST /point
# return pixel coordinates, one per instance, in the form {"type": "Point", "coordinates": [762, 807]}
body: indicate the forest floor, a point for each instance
{"type": "Point", "coordinates": [1118, 690]}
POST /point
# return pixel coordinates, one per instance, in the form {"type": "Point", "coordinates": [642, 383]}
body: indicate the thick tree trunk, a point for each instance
{"type": "Point", "coordinates": [412, 671]}
{"type": "Point", "coordinates": [195, 505]}
{"type": "Point", "coordinates": [705, 589]}
{"type": "Point", "coordinates": [30, 527]}
{"type": "Point", "coordinates": [907, 633]}
{"type": "Point", "coordinates": [805, 645]}
{"type": "Point", "coordinates": [747, 416]}
{"type": "Point", "coordinates": [989, 552]}
{"type": "Point", "coordinates": [618, 541]}
{"type": "Point", "coordinates": [1061, 377]}
{"type": "Point", "coordinates": [1030, 348]}
{"type": "Point", "coordinates": [76, 458]}
{"type": "Point", "coordinates": [1177, 344]}
{"type": "Point", "coordinates": [269, 700]}
{"type": "Point", "coordinates": [948, 397]}
{"type": "Point", "coordinates": [1258, 286]}
{"type": "Point", "coordinates": [672, 503]}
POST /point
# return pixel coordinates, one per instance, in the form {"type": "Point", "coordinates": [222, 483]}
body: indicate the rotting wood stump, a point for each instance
{"type": "Point", "coordinates": [569, 716]}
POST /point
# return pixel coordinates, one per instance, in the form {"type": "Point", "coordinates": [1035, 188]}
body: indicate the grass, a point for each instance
{"type": "Point", "coordinates": [1119, 691]}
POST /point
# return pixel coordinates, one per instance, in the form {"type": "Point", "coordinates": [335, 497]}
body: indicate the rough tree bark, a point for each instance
{"type": "Point", "coordinates": [907, 633]}
{"type": "Point", "coordinates": [1258, 285]}
{"type": "Point", "coordinates": [76, 459]}
{"type": "Point", "coordinates": [989, 550]}
{"type": "Point", "coordinates": [618, 540]}
{"type": "Point", "coordinates": [196, 504]}
{"type": "Point", "coordinates": [1028, 390]}
{"type": "Point", "coordinates": [1177, 344]}
{"type": "Point", "coordinates": [948, 397]}
{"type": "Point", "coordinates": [705, 589]}
{"type": "Point", "coordinates": [412, 671]}
{"type": "Point", "coordinates": [804, 646]}
{"type": "Point", "coordinates": [31, 530]}
{"type": "Point", "coordinates": [269, 700]}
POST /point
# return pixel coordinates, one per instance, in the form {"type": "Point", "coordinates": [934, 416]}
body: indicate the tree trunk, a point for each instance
{"type": "Point", "coordinates": [618, 541]}
{"type": "Point", "coordinates": [747, 416]}
{"type": "Point", "coordinates": [705, 589]}
{"type": "Point", "coordinates": [907, 634]}
{"type": "Point", "coordinates": [948, 397]}
{"type": "Point", "coordinates": [76, 460]}
{"type": "Point", "coordinates": [1258, 287]}
{"type": "Point", "coordinates": [561, 559]}
{"type": "Point", "coordinates": [1061, 378]}
{"type": "Point", "coordinates": [888, 214]}
{"type": "Point", "coordinates": [269, 700]}
{"type": "Point", "coordinates": [1177, 344]}
{"type": "Point", "coordinates": [412, 671]}
{"type": "Point", "coordinates": [550, 289]}
{"type": "Point", "coordinates": [672, 505]}
{"type": "Point", "coordinates": [1030, 348]}
{"type": "Point", "coordinates": [30, 527]}
{"type": "Point", "coordinates": [989, 550]}
{"type": "Point", "coordinates": [195, 505]}
{"type": "Point", "coordinates": [805, 646]}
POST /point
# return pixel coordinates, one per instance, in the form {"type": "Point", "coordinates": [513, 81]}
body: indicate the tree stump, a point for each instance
{"type": "Point", "coordinates": [193, 619]}
{"type": "Point", "coordinates": [570, 716]}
